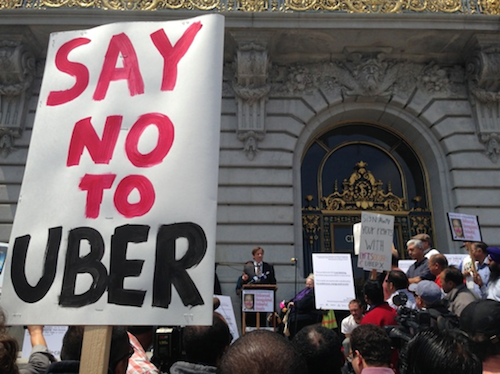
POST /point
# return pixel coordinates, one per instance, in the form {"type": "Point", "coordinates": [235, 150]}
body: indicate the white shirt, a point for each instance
{"type": "Point", "coordinates": [431, 252]}
{"type": "Point", "coordinates": [348, 324]}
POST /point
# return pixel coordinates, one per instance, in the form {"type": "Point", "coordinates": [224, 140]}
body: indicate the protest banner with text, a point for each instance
{"type": "Point", "coordinates": [375, 247]}
{"type": "Point", "coordinates": [117, 211]}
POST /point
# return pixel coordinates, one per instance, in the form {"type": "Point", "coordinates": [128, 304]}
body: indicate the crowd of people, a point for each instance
{"type": "Point", "coordinates": [434, 318]}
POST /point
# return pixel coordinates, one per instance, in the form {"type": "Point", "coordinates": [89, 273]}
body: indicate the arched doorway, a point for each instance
{"type": "Point", "coordinates": [356, 167]}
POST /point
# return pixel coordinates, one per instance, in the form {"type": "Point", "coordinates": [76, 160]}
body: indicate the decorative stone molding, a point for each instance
{"type": "Point", "coordinates": [368, 75]}
{"type": "Point", "coordinates": [483, 76]}
{"type": "Point", "coordinates": [251, 89]}
{"type": "Point", "coordinates": [17, 70]}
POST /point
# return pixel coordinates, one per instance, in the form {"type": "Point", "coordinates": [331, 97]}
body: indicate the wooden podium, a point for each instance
{"type": "Point", "coordinates": [258, 299]}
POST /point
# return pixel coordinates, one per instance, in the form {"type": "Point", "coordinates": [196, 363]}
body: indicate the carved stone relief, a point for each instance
{"type": "Point", "coordinates": [17, 70]}
{"type": "Point", "coordinates": [251, 89]}
{"type": "Point", "coordinates": [368, 75]}
{"type": "Point", "coordinates": [483, 76]}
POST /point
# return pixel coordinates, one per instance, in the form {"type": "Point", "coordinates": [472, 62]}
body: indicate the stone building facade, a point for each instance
{"type": "Point", "coordinates": [329, 108]}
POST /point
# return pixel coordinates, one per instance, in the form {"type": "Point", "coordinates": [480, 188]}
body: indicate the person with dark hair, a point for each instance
{"type": "Point", "coordinates": [481, 321]}
{"type": "Point", "coordinates": [262, 272]}
{"type": "Point", "coordinates": [494, 282]}
{"type": "Point", "coordinates": [457, 293]}
{"type": "Point", "coordinates": [380, 313]}
{"type": "Point", "coordinates": [477, 281]}
{"type": "Point", "coordinates": [353, 320]}
{"type": "Point", "coordinates": [204, 347]}
{"type": "Point", "coordinates": [71, 351]}
{"type": "Point", "coordinates": [256, 272]}
{"type": "Point", "coordinates": [321, 348]}
{"type": "Point", "coordinates": [397, 283]}
{"type": "Point", "coordinates": [371, 350]}
{"type": "Point", "coordinates": [39, 359]}
{"type": "Point", "coordinates": [141, 339]}
{"type": "Point", "coordinates": [437, 263]}
{"type": "Point", "coordinates": [440, 351]}
{"type": "Point", "coordinates": [262, 352]}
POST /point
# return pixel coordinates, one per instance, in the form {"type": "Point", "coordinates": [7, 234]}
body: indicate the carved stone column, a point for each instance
{"type": "Point", "coordinates": [483, 75]}
{"type": "Point", "coordinates": [251, 89]}
{"type": "Point", "coordinates": [17, 71]}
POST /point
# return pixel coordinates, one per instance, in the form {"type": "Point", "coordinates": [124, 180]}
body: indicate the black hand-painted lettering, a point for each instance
{"type": "Point", "coordinates": [170, 272]}
{"type": "Point", "coordinates": [91, 264]}
{"type": "Point", "coordinates": [120, 267]}
{"type": "Point", "coordinates": [26, 292]}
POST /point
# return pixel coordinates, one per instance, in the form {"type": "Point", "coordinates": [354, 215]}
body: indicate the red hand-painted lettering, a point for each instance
{"type": "Point", "coordinates": [120, 45]}
{"type": "Point", "coordinates": [95, 186]}
{"type": "Point", "coordinates": [84, 136]}
{"type": "Point", "coordinates": [75, 69]}
{"type": "Point", "coordinates": [165, 140]}
{"type": "Point", "coordinates": [146, 192]}
{"type": "Point", "coordinates": [172, 55]}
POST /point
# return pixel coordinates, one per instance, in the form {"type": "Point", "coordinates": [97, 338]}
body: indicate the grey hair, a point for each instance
{"type": "Point", "coordinates": [415, 242]}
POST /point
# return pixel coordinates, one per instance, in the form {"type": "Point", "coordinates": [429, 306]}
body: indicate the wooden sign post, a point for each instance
{"type": "Point", "coordinates": [95, 349]}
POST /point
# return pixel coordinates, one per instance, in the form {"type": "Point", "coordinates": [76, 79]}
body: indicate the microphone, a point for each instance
{"type": "Point", "coordinates": [294, 260]}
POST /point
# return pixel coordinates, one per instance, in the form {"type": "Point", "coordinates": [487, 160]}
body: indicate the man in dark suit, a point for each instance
{"type": "Point", "coordinates": [256, 272]}
{"type": "Point", "coordinates": [263, 272]}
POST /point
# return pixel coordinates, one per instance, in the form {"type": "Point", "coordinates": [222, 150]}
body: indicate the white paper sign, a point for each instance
{"type": "Point", "coordinates": [404, 265]}
{"type": "Point", "coordinates": [121, 179]}
{"type": "Point", "coordinates": [356, 234]}
{"type": "Point", "coordinates": [455, 259]}
{"type": "Point", "coordinates": [333, 280]}
{"type": "Point", "coordinates": [464, 227]}
{"type": "Point", "coordinates": [226, 309]}
{"type": "Point", "coordinates": [375, 247]}
{"type": "Point", "coordinates": [53, 336]}
{"type": "Point", "coordinates": [258, 301]}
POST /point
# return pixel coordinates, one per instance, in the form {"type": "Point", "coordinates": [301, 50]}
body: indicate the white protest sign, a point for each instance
{"type": "Point", "coordinates": [333, 280]}
{"type": "Point", "coordinates": [375, 247]}
{"type": "Point", "coordinates": [455, 259]}
{"type": "Point", "coordinates": [464, 227]}
{"type": "Point", "coordinates": [404, 265]}
{"type": "Point", "coordinates": [258, 301]}
{"type": "Point", "coordinates": [117, 211]}
{"type": "Point", "coordinates": [53, 337]}
{"type": "Point", "coordinates": [227, 311]}
{"type": "Point", "coordinates": [356, 234]}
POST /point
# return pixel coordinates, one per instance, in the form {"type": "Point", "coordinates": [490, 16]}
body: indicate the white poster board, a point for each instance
{"type": "Point", "coordinates": [404, 265]}
{"type": "Point", "coordinates": [375, 247]}
{"type": "Point", "coordinates": [333, 280]}
{"type": "Point", "coordinates": [227, 311]}
{"type": "Point", "coordinates": [455, 259]}
{"type": "Point", "coordinates": [53, 336]}
{"type": "Point", "coordinates": [464, 227]}
{"type": "Point", "coordinates": [257, 301]}
{"type": "Point", "coordinates": [120, 184]}
{"type": "Point", "coordinates": [356, 234]}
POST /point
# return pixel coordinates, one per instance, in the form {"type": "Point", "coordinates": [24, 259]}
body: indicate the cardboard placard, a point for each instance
{"type": "Point", "coordinates": [117, 211]}
{"type": "Point", "coordinates": [464, 227]}
{"type": "Point", "coordinates": [375, 247]}
{"type": "Point", "coordinates": [333, 280]}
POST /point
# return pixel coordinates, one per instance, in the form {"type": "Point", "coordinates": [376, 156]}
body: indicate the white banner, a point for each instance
{"type": "Point", "coordinates": [117, 212]}
{"type": "Point", "coordinates": [333, 280]}
{"type": "Point", "coordinates": [375, 247]}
